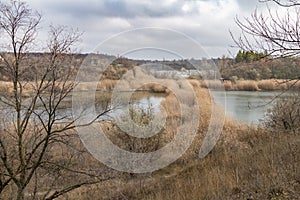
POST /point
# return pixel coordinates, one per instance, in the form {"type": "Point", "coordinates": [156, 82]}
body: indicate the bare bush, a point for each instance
{"type": "Point", "coordinates": [141, 117]}
{"type": "Point", "coordinates": [284, 116]}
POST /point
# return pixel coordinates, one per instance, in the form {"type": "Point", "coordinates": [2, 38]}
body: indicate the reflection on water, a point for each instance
{"type": "Point", "coordinates": [246, 107]}
{"type": "Point", "coordinates": [100, 103]}
{"type": "Point", "coordinates": [146, 102]}
{"type": "Point", "coordinates": [103, 101]}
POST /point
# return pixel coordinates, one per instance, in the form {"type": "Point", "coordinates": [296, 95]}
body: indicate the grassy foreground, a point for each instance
{"type": "Point", "coordinates": [247, 163]}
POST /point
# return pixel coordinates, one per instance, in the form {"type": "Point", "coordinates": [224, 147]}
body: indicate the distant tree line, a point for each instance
{"type": "Point", "coordinates": [281, 68]}
{"type": "Point", "coordinates": [246, 65]}
{"type": "Point", "coordinates": [249, 56]}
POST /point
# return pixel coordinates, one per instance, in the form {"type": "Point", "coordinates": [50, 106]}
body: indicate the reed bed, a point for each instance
{"type": "Point", "coordinates": [249, 85]}
{"type": "Point", "coordinates": [246, 85]}
{"type": "Point", "coordinates": [109, 85]}
{"type": "Point", "coordinates": [246, 163]}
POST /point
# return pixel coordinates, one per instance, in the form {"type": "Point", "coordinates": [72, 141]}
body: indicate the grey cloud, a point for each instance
{"type": "Point", "coordinates": [115, 8]}
{"type": "Point", "coordinates": [250, 5]}
{"type": "Point", "coordinates": [100, 19]}
{"type": "Point", "coordinates": [247, 4]}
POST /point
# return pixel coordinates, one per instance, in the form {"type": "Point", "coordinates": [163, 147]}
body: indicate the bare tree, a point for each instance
{"type": "Point", "coordinates": [38, 150]}
{"type": "Point", "coordinates": [284, 3]}
{"type": "Point", "coordinates": [271, 32]}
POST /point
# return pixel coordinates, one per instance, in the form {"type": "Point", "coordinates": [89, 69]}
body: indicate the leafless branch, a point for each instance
{"type": "Point", "coordinates": [39, 85]}
{"type": "Point", "coordinates": [279, 36]}
{"type": "Point", "coordinates": [284, 3]}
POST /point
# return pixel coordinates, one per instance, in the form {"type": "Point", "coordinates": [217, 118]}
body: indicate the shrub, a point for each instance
{"type": "Point", "coordinates": [234, 79]}
{"type": "Point", "coordinates": [284, 116]}
{"type": "Point", "coordinates": [141, 117]}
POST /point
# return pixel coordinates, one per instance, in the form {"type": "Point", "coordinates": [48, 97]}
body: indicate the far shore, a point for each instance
{"type": "Point", "coordinates": [108, 85]}
{"type": "Point", "coordinates": [252, 85]}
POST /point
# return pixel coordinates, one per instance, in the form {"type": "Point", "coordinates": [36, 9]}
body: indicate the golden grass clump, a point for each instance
{"type": "Point", "coordinates": [267, 85]}
{"type": "Point", "coordinates": [273, 84]}
{"type": "Point", "coordinates": [153, 87]}
{"type": "Point", "coordinates": [106, 84]}
{"type": "Point", "coordinates": [214, 84]}
{"type": "Point", "coordinates": [249, 85]}
{"type": "Point", "coordinates": [228, 86]}
{"type": "Point", "coordinates": [246, 85]}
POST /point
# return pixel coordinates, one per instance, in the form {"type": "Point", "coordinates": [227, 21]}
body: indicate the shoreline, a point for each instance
{"type": "Point", "coordinates": [252, 85]}
{"type": "Point", "coordinates": [108, 85]}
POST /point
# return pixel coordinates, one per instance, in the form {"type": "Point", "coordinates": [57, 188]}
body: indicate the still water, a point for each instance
{"type": "Point", "coordinates": [90, 105]}
{"type": "Point", "coordinates": [247, 107]}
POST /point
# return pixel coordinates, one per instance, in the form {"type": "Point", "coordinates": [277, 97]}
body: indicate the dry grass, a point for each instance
{"type": "Point", "coordinates": [7, 88]}
{"type": "Point", "coordinates": [215, 84]}
{"type": "Point", "coordinates": [267, 85]}
{"type": "Point", "coordinates": [246, 85]}
{"type": "Point", "coordinates": [249, 85]}
{"type": "Point", "coordinates": [29, 88]}
{"type": "Point", "coordinates": [106, 84]}
{"type": "Point", "coordinates": [253, 172]}
{"type": "Point", "coordinates": [246, 163]}
{"type": "Point", "coordinates": [155, 88]}
{"type": "Point", "coordinates": [254, 164]}
{"type": "Point", "coordinates": [294, 85]}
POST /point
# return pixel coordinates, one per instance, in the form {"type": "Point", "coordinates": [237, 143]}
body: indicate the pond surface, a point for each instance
{"type": "Point", "coordinates": [146, 102]}
{"type": "Point", "coordinates": [138, 101]}
{"type": "Point", "coordinates": [247, 107]}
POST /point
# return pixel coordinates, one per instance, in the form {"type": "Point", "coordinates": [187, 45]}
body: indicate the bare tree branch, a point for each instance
{"type": "Point", "coordinates": [59, 193]}
{"type": "Point", "coordinates": [284, 3]}
{"type": "Point", "coordinates": [34, 129]}
{"type": "Point", "coordinates": [279, 36]}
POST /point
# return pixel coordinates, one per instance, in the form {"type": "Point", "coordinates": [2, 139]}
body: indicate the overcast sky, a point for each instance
{"type": "Point", "coordinates": [206, 21]}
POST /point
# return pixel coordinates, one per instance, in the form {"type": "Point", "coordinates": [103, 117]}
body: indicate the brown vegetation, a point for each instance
{"type": "Point", "coordinates": [41, 157]}
{"type": "Point", "coordinates": [38, 156]}
{"type": "Point", "coordinates": [246, 86]}
{"type": "Point", "coordinates": [249, 85]}
{"type": "Point", "coordinates": [246, 163]}
{"type": "Point", "coordinates": [284, 116]}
